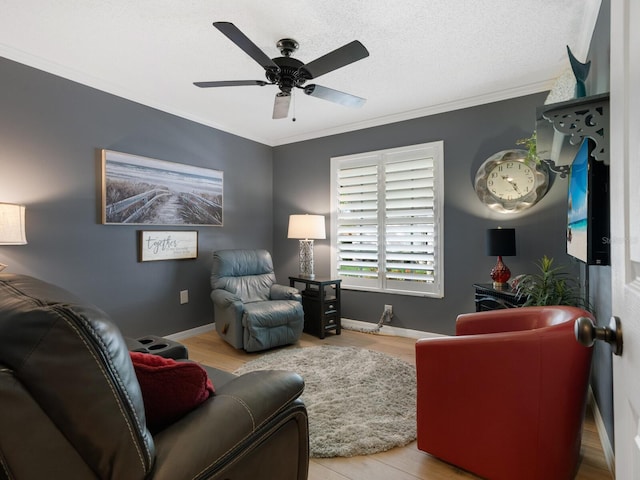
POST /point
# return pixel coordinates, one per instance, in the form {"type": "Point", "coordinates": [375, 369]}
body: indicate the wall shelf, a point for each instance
{"type": "Point", "coordinates": [561, 128]}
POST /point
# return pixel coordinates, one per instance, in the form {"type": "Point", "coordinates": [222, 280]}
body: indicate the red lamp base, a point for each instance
{"type": "Point", "coordinates": [500, 274]}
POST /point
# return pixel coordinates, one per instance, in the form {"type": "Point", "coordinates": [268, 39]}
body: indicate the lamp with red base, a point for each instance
{"type": "Point", "coordinates": [501, 242]}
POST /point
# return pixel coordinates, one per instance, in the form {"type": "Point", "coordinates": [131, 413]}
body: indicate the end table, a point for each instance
{"type": "Point", "coordinates": [321, 304]}
{"type": "Point", "coordinates": [488, 297]}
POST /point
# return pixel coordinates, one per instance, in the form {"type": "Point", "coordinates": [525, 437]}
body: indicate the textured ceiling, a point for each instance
{"type": "Point", "coordinates": [425, 56]}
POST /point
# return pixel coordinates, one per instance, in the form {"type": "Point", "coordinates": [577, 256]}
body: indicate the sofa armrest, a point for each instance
{"type": "Point", "coordinates": [282, 292]}
{"type": "Point", "coordinates": [496, 321]}
{"type": "Point", "coordinates": [517, 319]}
{"type": "Point", "coordinates": [243, 411]}
{"type": "Point", "coordinates": [224, 299]}
{"type": "Point", "coordinates": [227, 313]}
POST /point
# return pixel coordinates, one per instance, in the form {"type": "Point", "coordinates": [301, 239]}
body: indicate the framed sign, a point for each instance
{"type": "Point", "coordinates": [167, 245]}
{"type": "Point", "coordinates": [144, 191]}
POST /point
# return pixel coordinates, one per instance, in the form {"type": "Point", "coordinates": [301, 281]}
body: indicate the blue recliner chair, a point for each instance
{"type": "Point", "coordinates": [252, 311]}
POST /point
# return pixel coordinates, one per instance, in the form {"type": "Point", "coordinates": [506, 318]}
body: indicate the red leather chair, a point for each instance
{"type": "Point", "coordinates": [506, 397]}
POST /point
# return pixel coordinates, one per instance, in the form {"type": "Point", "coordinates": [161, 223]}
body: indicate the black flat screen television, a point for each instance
{"type": "Point", "coordinates": [588, 208]}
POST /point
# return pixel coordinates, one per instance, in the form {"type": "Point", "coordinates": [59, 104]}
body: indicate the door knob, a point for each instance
{"type": "Point", "coordinates": [587, 333]}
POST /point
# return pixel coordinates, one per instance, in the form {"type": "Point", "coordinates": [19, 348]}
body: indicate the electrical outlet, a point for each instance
{"type": "Point", "coordinates": [184, 297]}
{"type": "Point", "coordinates": [388, 308]}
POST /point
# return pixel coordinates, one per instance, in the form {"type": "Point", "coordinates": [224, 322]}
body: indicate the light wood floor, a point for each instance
{"type": "Point", "coordinates": [399, 463]}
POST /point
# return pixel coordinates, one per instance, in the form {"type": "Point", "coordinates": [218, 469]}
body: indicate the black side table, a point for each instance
{"type": "Point", "coordinates": [321, 304]}
{"type": "Point", "coordinates": [489, 298]}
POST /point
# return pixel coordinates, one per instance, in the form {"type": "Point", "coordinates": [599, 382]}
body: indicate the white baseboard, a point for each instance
{"type": "Point", "coordinates": [388, 329]}
{"type": "Point", "coordinates": [191, 332]}
{"type": "Point", "coordinates": [607, 448]}
{"type": "Point", "coordinates": [346, 323]}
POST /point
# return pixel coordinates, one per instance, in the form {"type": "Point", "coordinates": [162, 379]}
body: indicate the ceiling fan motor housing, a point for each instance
{"type": "Point", "coordinates": [290, 74]}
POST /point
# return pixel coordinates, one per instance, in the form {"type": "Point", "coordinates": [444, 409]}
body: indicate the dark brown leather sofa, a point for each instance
{"type": "Point", "coordinates": [71, 405]}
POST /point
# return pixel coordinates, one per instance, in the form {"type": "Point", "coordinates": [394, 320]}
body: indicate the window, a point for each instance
{"type": "Point", "coordinates": [386, 217]}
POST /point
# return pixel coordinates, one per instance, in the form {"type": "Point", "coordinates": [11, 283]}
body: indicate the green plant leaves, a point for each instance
{"type": "Point", "coordinates": [551, 286]}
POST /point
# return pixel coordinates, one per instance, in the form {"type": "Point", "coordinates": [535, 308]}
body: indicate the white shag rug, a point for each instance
{"type": "Point", "coordinates": [359, 401]}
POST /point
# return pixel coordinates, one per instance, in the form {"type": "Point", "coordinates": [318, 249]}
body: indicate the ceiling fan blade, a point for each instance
{"type": "Point", "coordinates": [335, 96]}
{"type": "Point", "coordinates": [230, 83]}
{"type": "Point", "coordinates": [349, 53]}
{"type": "Point", "coordinates": [281, 105]}
{"type": "Point", "coordinates": [241, 40]}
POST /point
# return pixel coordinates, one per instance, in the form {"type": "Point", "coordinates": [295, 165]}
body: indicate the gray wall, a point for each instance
{"type": "Point", "coordinates": [50, 129]}
{"type": "Point", "coordinates": [301, 185]}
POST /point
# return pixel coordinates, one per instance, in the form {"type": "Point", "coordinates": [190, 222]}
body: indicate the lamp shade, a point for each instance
{"type": "Point", "coordinates": [501, 242]}
{"type": "Point", "coordinates": [12, 225]}
{"type": "Point", "coordinates": [306, 227]}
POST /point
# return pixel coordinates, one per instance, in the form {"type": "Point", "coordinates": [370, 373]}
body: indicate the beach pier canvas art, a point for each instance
{"type": "Point", "coordinates": [144, 191]}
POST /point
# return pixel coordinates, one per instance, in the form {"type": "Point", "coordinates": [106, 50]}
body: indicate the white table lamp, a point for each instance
{"type": "Point", "coordinates": [12, 229]}
{"type": "Point", "coordinates": [306, 228]}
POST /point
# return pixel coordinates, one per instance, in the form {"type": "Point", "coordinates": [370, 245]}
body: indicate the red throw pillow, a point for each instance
{"type": "Point", "coordinates": [170, 389]}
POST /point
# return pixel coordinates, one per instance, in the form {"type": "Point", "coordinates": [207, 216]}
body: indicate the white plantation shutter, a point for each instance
{"type": "Point", "coordinates": [357, 224]}
{"type": "Point", "coordinates": [387, 217]}
{"type": "Point", "coordinates": [409, 224]}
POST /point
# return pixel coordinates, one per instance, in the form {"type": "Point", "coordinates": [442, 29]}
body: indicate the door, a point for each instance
{"type": "Point", "coordinates": [625, 229]}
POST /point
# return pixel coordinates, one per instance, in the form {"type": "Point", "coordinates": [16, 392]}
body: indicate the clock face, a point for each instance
{"type": "Point", "coordinates": [506, 182]}
{"type": "Point", "coordinates": [511, 180]}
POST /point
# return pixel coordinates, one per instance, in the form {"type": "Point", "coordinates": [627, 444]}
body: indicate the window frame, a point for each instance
{"type": "Point", "coordinates": [381, 158]}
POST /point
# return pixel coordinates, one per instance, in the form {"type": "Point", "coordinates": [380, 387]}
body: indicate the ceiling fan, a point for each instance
{"type": "Point", "coordinates": [287, 72]}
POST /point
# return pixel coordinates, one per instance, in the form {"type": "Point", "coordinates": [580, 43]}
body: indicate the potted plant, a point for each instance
{"type": "Point", "coordinates": [531, 145]}
{"type": "Point", "coordinates": [551, 286]}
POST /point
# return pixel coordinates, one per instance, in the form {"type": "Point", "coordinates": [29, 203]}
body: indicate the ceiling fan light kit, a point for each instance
{"type": "Point", "coordinates": [288, 73]}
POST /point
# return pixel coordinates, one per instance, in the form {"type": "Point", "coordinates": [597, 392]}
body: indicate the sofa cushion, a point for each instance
{"type": "Point", "coordinates": [170, 389]}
